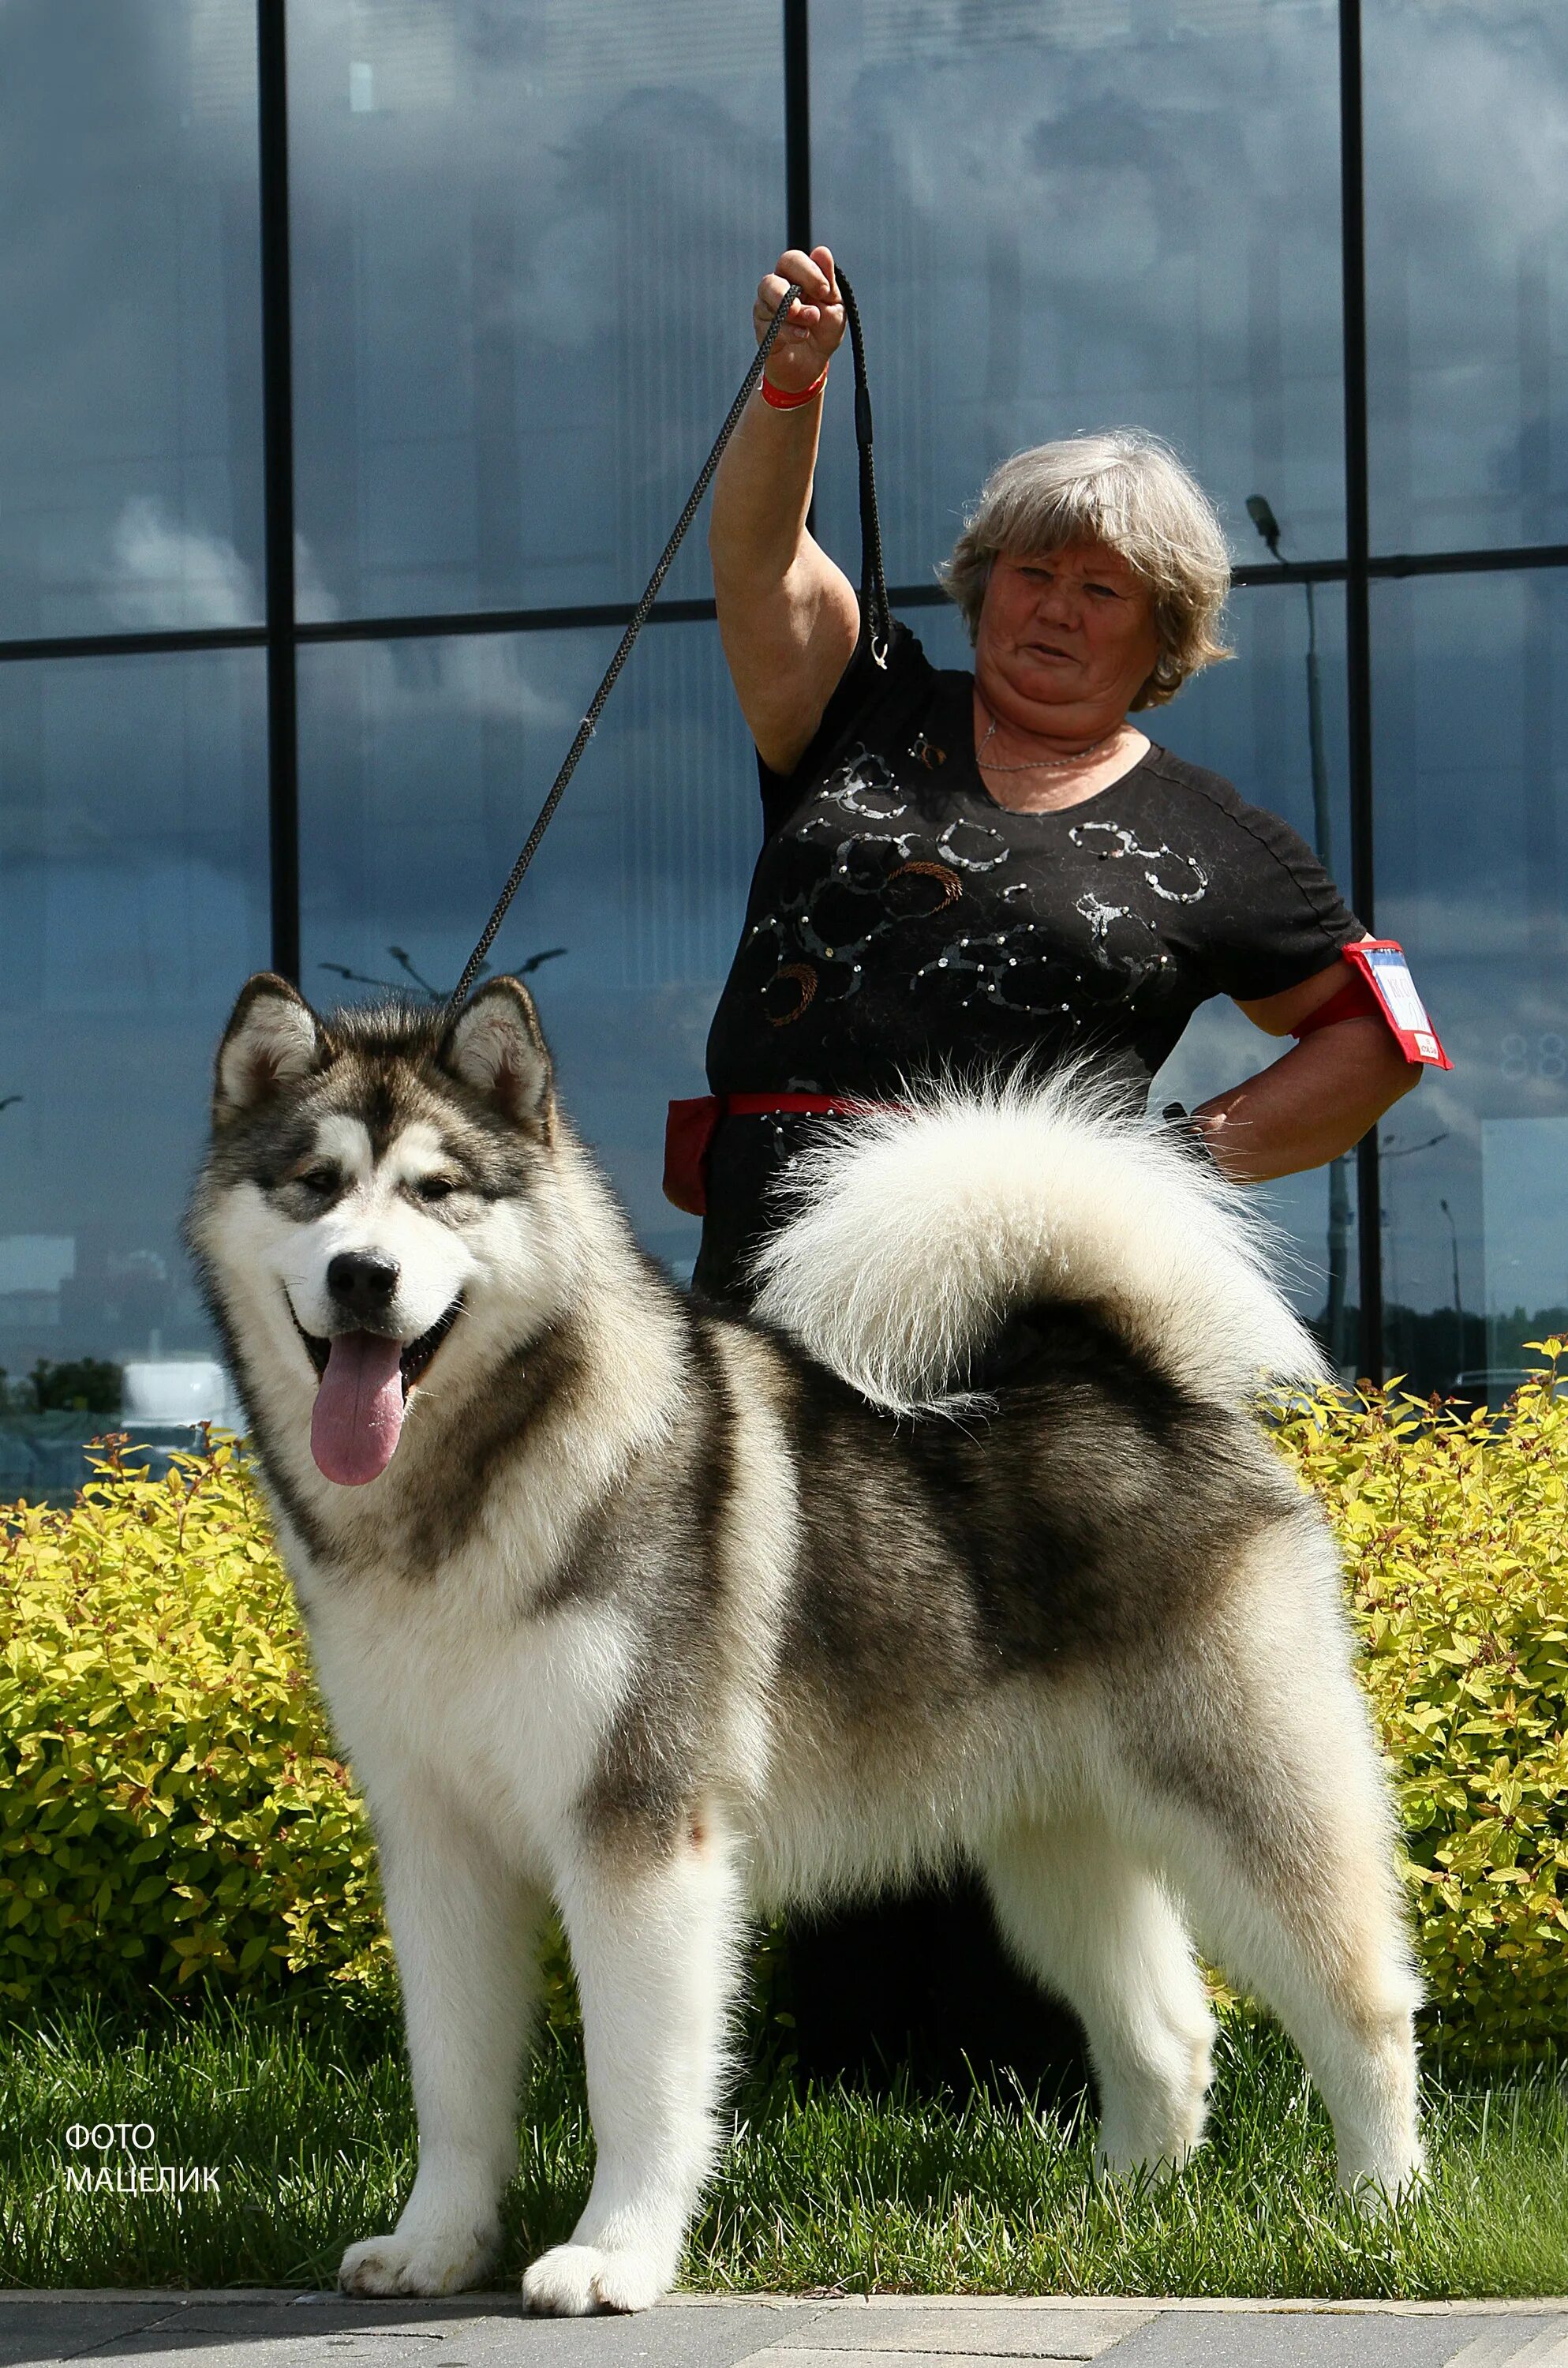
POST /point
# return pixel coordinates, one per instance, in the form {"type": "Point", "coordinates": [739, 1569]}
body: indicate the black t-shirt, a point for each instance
{"type": "Point", "coordinates": [901, 921]}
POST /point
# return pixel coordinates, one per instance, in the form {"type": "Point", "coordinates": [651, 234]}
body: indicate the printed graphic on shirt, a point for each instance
{"type": "Point", "coordinates": [856, 897]}
{"type": "Point", "coordinates": [902, 920]}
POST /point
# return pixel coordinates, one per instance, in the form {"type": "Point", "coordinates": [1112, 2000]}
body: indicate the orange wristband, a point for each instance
{"type": "Point", "coordinates": [771, 395]}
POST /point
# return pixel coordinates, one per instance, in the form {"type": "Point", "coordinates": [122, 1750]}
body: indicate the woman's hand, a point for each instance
{"type": "Point", "coordinates": [812, 327]}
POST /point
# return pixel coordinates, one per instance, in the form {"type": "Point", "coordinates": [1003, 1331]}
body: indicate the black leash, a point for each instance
{"type": "Point", "coordinates": [875, 614]}
{"type": "Point", "coordinates": [874, 607]}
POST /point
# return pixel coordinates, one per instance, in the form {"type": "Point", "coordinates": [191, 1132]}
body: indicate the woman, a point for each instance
{"type": "Point", "coordinates": [960, 871]}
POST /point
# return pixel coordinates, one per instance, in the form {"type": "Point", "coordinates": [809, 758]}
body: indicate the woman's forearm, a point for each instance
{"type": "Point", "coordinates": [1309, 1107]}
{"type": "Point", "coordinates": [788, 617]}
{"type": "Point", "coordinates": [762, 494]}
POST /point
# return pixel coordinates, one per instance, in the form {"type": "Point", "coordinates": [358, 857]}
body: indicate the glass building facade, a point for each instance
{"type": "Point", "coordinates": [359, 355]}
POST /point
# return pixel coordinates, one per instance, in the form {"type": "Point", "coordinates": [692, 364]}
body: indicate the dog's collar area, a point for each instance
{"type": "Point", "coordinates": [414, 1358]}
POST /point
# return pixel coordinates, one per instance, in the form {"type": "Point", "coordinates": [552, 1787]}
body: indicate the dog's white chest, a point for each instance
{"type": "Point", "coordinates": [440, 1696]}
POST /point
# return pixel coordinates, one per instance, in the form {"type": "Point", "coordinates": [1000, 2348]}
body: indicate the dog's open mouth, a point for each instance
{"type": "Point", "coordinates": [365, 1379]}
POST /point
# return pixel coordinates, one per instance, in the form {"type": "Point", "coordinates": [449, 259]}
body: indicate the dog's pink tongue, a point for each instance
{"type": "Point", "coordinates": [359, 1409]}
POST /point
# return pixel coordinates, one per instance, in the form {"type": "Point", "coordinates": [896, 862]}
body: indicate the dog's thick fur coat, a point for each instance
{"type": "Point", "coordinates": [665, 1615]}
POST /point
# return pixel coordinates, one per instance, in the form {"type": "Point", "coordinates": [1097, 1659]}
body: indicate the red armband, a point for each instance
{"type": "Point", "coordinates": [1381, 987]}
{"type": "Point", "coordinates": [1353, 1000]}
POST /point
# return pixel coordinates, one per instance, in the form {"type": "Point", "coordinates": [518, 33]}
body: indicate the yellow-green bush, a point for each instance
{"type": "Point", "coordinates": [1455, 1539]}
{"type": "Point", "coordinates": [174, 1808]}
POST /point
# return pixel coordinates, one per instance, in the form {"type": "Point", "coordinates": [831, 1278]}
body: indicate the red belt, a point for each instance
{"type": "Point", "coordinates": [691, 1125]}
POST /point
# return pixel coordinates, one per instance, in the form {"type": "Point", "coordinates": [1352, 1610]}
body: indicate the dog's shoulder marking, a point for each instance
{"type": "Point", "coordinates": [445, 1510]}
{"type": "Point", "coordinates": [718, 1523]}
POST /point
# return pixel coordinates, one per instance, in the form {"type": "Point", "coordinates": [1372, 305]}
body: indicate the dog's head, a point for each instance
{"type": "Point", "coordinates": [374, 1209]}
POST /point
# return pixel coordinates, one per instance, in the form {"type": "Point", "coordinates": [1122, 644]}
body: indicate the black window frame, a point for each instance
{"type": "Point", "coordinates": [281, 634]}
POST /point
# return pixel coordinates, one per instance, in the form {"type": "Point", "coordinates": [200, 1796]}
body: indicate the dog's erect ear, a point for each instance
{"type": "Point", "coordinates": [272, 1038]}
{"type": "Point", "coordinates": [495, 1046]}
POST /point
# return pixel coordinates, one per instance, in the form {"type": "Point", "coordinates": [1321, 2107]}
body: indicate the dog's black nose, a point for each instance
{"type": "Point", "coordinates": [362, 1282]}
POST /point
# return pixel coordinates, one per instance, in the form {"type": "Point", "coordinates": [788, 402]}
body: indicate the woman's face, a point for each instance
{"type": "Point", "coordinates": [1075, 630]}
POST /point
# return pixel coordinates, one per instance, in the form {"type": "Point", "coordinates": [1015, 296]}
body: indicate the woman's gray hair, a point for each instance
{"type": "Point", "coordinates": [1128, 490]}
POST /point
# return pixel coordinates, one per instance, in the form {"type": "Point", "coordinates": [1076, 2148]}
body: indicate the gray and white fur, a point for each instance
{"type": "Point", "coordinates": [672, 1617]}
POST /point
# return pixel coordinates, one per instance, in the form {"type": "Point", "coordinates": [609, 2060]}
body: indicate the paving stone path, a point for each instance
{"type": "Point", "coordinates": [259, 2329]}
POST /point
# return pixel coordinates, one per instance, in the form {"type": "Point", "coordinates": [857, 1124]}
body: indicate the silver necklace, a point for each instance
{"type": "Point", "coordinates": [1042, 763]}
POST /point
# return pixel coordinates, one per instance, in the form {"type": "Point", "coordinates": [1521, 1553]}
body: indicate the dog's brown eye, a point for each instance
{"type": "Point", "coordinates": [437, 1187]}
{"type": "Point", "coordinates": [319, 1180]}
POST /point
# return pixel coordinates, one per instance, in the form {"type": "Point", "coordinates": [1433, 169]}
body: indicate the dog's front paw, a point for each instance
{"type": "Point", "coordinates": [1380, 2192]}
{"type": "Point", "coordinates": [432, 2261]}
{"type": "Point", "coordinates": [572, 2281]}
{"type": "Point", "coordinates": [1152, 2166]}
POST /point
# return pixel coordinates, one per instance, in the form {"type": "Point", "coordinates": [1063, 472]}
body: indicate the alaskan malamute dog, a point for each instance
{"type": "Point", "coordinates": [668, 1617]}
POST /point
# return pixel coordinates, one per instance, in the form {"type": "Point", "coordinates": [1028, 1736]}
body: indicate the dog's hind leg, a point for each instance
{"type": "Point", "coordinates": [1266, 1802]}
{"type": "Point", "coordinates": [1086, 1919]}
{"type": "Point", "coordinates": [465, 1932]}
{"type": "Point", "coordinates": [654, 1948]}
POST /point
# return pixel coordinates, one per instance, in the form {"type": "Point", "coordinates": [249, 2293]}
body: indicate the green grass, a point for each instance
{"type": "Point", "coordinates": [308, 2122]}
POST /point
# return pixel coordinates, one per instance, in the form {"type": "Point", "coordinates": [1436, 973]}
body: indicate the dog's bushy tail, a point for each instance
{"type": "Point", "coordinates": [912, 1235]}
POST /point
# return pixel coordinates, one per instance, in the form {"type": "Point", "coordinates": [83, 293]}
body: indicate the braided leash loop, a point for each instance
{"type": "Point", "coordinates": [874, 609]}
{"type": "Point", "coordinates": [639, 617]}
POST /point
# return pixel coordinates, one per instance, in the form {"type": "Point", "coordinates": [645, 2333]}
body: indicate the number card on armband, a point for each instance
{"type": "Point", "coordinates": [1381, 963]}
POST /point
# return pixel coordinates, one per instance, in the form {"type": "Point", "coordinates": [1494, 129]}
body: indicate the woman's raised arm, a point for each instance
{"type": "Point", "coordinates": [789, 618]}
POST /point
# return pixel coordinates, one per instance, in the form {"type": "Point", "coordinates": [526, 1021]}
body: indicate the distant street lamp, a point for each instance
{"type": "Point", "coordinates": [1267, 525]}
{"type": "Point", "coordinates": [1458, 1302]}
{"type": "Point", "coordinates": [1334, 1316]}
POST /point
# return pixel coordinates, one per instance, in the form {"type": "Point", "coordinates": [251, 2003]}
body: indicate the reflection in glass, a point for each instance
{"type": "Point", "coordinates": [1059, 217]}
{"type": "Point", "coordinates": [423, 766]}
{"type": "Point", "coordinates": [133, 904]}
{"type": "Point", "coordinates": [525, 244]}
{"type": "Point", "coordinates": [1469, 703]}
{"type": "Point", "coordinates": [131, 424]}
{"type": "Point", "coordinates": [1467, 271]}
{"type": "Point", "coordinates": [1524, 1203]}
{"type": "Point", "coordinates": [1258, 722]}
{"type": "Point", "coordinates": [1338, 1330]}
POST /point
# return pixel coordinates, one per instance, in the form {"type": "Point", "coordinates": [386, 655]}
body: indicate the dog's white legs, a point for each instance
{"type": "Point", "coordinates": [465, 1931]}
{"type": "Point", "coordinates": [655, 1952]}
{"type": "Point", "coordinates": [1269, 1810]}
{"type": "Point", "coordinates": [1087, 1920]}
{"type": "Point", "coordinates": [1305, 1919]}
